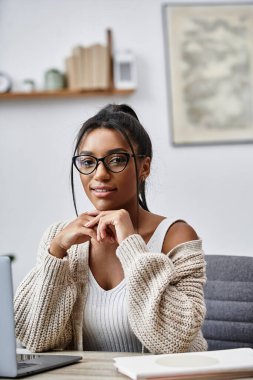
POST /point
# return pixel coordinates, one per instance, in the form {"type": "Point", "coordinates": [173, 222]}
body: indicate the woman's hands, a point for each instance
{"type": "Point", "coordinates": [115, 225]}
{"type": "Point", "coordinates": [74, 233]}
{"type": "Point", "coordinates": [112, 226]}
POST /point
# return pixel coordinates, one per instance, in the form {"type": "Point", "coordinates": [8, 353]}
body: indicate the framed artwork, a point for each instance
{"type": "Point", "coordinates": [209, 60]}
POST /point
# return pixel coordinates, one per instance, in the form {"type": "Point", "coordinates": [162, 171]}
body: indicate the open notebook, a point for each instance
{"type": "Point", "coordinates": [224, 364]}
{"type": "Point", "coordinates": [12, 365]}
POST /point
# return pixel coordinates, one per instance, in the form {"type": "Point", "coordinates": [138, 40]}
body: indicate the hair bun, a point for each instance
{"type": "Point", "coordinates": [121, 108]}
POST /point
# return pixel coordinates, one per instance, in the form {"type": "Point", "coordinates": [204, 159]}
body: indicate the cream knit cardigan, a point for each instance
{"type": "Point", "coordinates": [164, 292]}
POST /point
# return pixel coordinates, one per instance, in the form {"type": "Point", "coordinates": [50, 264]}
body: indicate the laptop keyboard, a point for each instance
{"type": "Point", "coordinates": [25, 365]}
{"type": "Point", "coordinates": [25, 360]}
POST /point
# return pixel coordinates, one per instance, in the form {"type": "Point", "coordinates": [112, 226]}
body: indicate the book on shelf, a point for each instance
{"type": "Point", "coordinates": [100, 66]}
{"type": "Point", "coordinates": [71, 72]}
{"type": "Point", "coordinates": [89, 67]}
{"type": "Point", "coordinates": [214, 365]}
{"type": "Point", "coordinates": [86, 54]}
{"type": "Point", "coordinates": [78, 66]}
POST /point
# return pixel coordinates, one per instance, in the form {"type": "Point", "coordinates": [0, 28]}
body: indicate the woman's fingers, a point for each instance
{"type": "Point", "coordinates": [106, 227]}
{"type": "Point", "coordinates": [90, 232]}
{"type": "Point", "coordinates": [92, 213]}
{"type": "Point", "coordinates": [103, 231]}
{"type": "Point", "coordinates": [114, 225]}
{"type": "Point", "coordinates": [93, 222]}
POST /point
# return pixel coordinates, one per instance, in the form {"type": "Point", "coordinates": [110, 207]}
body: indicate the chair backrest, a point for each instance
{"type": "Point", "coordinates": [229, 302]}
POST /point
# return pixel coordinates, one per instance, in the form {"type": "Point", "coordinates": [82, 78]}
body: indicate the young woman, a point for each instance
{"type": "Point", "coordinates": [117, 278]}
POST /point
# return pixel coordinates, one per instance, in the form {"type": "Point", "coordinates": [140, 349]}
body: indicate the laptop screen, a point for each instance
{"type": "Point", "coordinates": [8, 363]}
{"type": "Point", "coordinates": [29, 364]}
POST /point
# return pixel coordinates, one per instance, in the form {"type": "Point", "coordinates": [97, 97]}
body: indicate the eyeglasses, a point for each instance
{"type": "Point", "coordinates": [115, 162]}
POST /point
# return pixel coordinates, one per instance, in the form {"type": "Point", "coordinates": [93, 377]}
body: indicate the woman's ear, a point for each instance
{"type": "Point", "coordinates": [144, 169]}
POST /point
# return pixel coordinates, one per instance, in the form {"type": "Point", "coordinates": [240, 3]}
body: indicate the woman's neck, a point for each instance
{"type": "Point", "coordinates": [137, 216]}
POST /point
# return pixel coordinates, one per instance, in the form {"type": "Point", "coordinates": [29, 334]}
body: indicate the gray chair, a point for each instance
{"type": "Point", "coordinates": [229, 302]}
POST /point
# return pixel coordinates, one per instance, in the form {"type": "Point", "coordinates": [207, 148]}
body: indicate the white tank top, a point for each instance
{"type": "Point", "coordinates": [106, 326]}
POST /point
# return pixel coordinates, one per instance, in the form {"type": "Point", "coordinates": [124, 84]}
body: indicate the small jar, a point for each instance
{"type": "Point", "coordinates": [28, 85]}
{"type": "Point", "coordinates": [54, 80]}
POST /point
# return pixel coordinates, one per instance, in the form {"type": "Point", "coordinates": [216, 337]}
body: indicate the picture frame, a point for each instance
{"type": "Point", "coordinates": [209, 65]}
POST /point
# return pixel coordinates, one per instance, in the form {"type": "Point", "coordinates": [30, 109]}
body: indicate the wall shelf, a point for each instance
{"type": "Point", "coordinates": [63, 94]}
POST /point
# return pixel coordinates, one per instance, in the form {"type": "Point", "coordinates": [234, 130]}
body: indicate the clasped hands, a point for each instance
{"type": "Point", "coordinates": [102, 226]}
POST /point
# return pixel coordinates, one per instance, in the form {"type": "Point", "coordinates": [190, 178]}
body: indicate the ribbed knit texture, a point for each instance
{"type": "Point", "coordinates": [106, 325]}
{"type": "Point", "coordinates": [165, 300]}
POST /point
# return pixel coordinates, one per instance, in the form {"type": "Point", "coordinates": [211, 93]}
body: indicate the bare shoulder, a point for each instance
{"type": "Point", "coordinates": [180, 232]}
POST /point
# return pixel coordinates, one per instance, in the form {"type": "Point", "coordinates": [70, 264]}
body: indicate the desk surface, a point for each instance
{"type": "Point", "coordinates": [99, 366]}
{"type": "Point", "coordinates": [93, 366]}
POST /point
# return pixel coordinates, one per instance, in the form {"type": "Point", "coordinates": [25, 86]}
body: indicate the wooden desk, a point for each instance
{"type": "Point", "coordinates": [99, 366]}
{"type": "Point", "coordinates": [94, 366]}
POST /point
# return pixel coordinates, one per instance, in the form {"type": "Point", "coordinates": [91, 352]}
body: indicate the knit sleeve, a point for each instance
{"type": "Point", "coordinates": [44, 300]}
{"type": "Point", "coordinates": [165, 295]}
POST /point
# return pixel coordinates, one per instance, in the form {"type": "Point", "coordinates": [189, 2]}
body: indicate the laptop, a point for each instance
{"type": "Point", "coordinates": [14, 365]}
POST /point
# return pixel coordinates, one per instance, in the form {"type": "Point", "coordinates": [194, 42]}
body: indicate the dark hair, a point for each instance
{"type": "Point", "coordinates": [123, 119]}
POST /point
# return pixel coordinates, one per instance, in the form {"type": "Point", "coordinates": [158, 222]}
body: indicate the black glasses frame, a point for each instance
{"type": "Point", "coordinates": [102, 159]}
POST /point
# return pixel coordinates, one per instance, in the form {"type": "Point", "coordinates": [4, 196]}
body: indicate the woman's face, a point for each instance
{"type": "Point", "coordinates": [107, 190]}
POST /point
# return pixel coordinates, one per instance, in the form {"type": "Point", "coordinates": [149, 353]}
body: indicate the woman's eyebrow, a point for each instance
{"type": "Point", "coordinates": [111, 151]}
{"type": "Point", "coordinates": [116, 150]}
{"type": "Point", "coordinates": [86, 153]}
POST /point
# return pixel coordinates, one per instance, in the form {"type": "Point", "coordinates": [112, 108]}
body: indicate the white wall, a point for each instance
{"type": "Point", "coordinates": [209, 186]}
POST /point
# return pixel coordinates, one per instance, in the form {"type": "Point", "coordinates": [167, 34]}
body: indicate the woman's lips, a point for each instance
{"type": "Point", "coordinates": [102, 192]}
